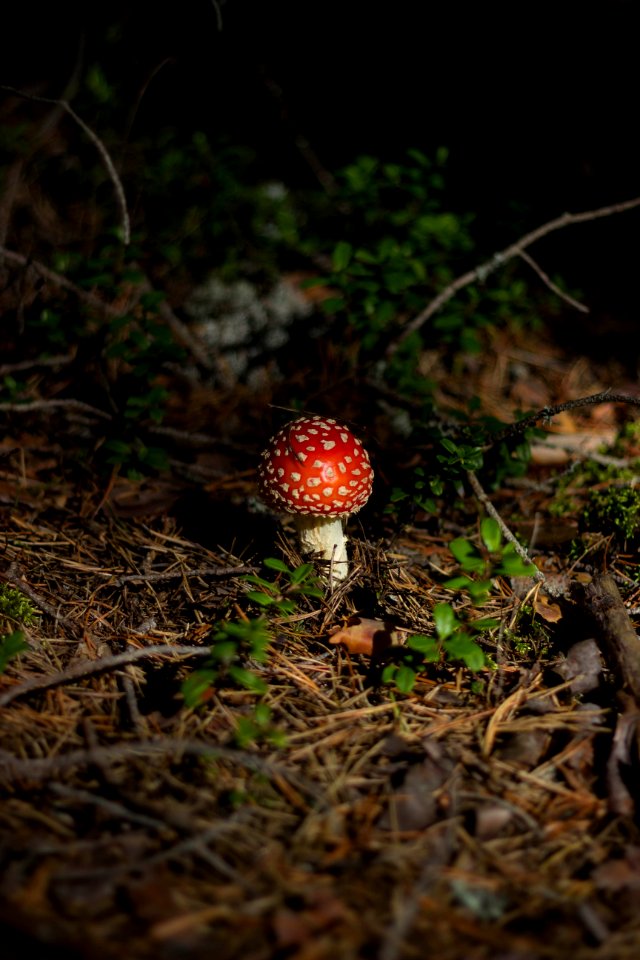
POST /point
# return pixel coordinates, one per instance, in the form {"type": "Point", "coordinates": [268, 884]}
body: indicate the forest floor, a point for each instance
{"type": "Point", "coordinates": [299, 807]}
{"type": "Point", "coordinates": [463, 819]}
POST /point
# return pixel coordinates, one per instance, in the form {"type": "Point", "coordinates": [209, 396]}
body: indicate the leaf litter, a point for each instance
{"type": "Point", "coordinates": [467, 819]}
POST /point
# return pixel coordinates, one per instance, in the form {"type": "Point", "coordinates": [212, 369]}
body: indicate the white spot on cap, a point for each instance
{"type": "Point", "coordinates": [313, 481]}
{"type": "Point", "coordinates": [327, 491]}
{"type": "Point", "coordinates": [296, 477]}
{"type": "Point", "coordinates": [343, 491]}
{"type": "Point", "coordinates": [342, 468]}
{"type": "Point", "coordinates": [328, 444]}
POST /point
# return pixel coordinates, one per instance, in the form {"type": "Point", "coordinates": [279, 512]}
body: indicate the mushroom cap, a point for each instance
{"type": "Point", "coordinates": [315, 465]}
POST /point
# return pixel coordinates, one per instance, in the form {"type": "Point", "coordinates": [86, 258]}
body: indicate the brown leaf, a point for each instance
{"type": "Point", "coordinates": [360, 635]}
{"type": "Point", "coordinates": [550, 612]}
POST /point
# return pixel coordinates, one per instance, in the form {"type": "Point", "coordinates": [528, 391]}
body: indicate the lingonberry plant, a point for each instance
{"type": "Point", "coordinates": [457, 637]}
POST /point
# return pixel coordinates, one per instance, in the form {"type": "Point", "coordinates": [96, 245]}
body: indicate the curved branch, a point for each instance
{"type": "Point", "coordinates": [480, 273]}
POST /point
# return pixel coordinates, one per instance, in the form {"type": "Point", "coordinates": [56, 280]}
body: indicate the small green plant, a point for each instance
{"type": "Point", "coordinates": [457, 638]}
{"type": "Point", "coordinates": [15, 606]}
{"type": "Point", "coordinates": [15, 609]}
{"type": "Point", "coordinates": [11, 644]}
{"type": "Point", "coordinates": [422, 493]}
{"type": "Point", "coordinates": [233, 644]}
{"type": "Point", "coordinates": [615, 510]}
{"type": "Point", "coordinates": [281, 593]}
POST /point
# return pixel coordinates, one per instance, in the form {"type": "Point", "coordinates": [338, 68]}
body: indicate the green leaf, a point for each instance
{"type": "Point", "coordinates": [405, 679]}
{"type": "Point", "coordinates": [248, 680]}
{"type": "Point", "coordinates": [484, 623]}
{"type": "Point", "coordinates": [285, 606]}
{"type": "Point", "coordinates": [263, 599]}
{"type": "Point", "coordinates": [479, 590]}
{"type": "Point", "coordinates": [259, 582]}
{"type": "Point", "coordinates": [224, 651]}
{"type": "Point", "coordinates": [11, 644]}
{"type": "Point", "coordinates": [491, 534]}
{"type": "Point", "coordinates": [427, 646]}
{"type": "Point", "coordinates": [273, 563]}
{"type": "Point", "coordinates": [466, 555]}
{"type": "Point", "coordinates": [333, 304]}
{"type": "Point", "coordinates": [458, 583]}
{"type": "Point", "coordinates": [445, 620]}
{"type": "Point", "coordinates": [310, 591]}
{"type": "Point", "coordinates": [341, 256]}
{"type": "Point", "coordinates": [301, 573]}
{"type": "Point", "coordinates": [196, 688]}
{"type": "Point", "coordinates": [463, 647]}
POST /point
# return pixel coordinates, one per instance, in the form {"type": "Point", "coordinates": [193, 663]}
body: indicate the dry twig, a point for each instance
{"type": "Point", "coordinates": [81, 670]}
{"type": "Point", "coordinates": [480, 273]}
{"type": "Point", "coordinates": [507, 534]}
{"type": "Point", "coordinates": [100, 147]}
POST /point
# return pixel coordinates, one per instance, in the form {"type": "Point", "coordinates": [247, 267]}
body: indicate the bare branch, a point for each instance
{"type": "Point", "coordinates": [506, 532]}
{"type": "Point", "coordinates": [100, 147]}
{"type": "Point", "coordinates": [81, 670]}
{"type": "Point", "coordinates": [480, 274]}
{"type": "Point", "coordinates": [178, 574]}
{"type": "Point", "coordinates": [180, 331]}
{"type": "Point", "coordinates": [546, 414]}
{"type": "Point", "coordinates": [546, 279]}
{"type": "Point", "coordinates": [49, 405]}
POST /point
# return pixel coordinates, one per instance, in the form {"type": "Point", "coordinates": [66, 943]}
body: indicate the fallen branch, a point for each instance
{"type": "Point", "coordinates": [547, 413]}
{"type": "Point", "coordinates": [90, 668]}
{"type": "Point", "coordinates": [180, 331]}
{"type": "Point", "coordinates": [43, 768]}
{"type": "Point", "coordinates": [178, 574]}
{"type": "Point", "coordinates": [100, 147]}
{"type": "Point", "coordinates": [479, 274]}
{"type": "Point", "coordinates": [621, 644]}
{"type": "Point", "coordinates": [32, 406]}
{"type": "Point", "coordinates": [506, 532]}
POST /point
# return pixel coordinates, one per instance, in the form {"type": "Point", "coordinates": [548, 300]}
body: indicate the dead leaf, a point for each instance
{"type": "Point", "coordinates": [550, 612]}
{"type": "Point", "coordinates": [360, 635]}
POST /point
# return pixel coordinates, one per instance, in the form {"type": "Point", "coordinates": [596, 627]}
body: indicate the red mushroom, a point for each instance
{"type": "Point", "coordinates": [315, 469]}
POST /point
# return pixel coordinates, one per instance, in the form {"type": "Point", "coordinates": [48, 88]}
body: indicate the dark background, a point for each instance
{"type": "Point", "coordinates": [537, 102]}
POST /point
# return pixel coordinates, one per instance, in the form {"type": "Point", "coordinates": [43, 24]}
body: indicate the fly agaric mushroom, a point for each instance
{"type": "Point", "coordinates": [316, 470]}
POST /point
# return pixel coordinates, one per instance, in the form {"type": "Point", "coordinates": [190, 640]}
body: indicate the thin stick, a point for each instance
{"type": "Point", "coordinates": [177, 574]}
{"type": "Point", "coordinates": [546, 279]}
{"type": "Point", "coordinates": [506, 533]}
{"type": "Point", "coordinates": [180, 331]}
{"type": "Point", "coordinates": [48, 405]}
{"type": "Point", "coordinates": [547, 413]}
{"type": "Point", "coordinates": [480, 273]}
{"type": "Point", "coordinates": [44, 768]}
{"type": "Point", "coordinates": [100, 147]}
{"type": "Point", "coordinates": [81, 670]}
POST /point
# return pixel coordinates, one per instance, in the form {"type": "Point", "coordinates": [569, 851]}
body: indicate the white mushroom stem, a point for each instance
{"type": "Point", "coordinates": [324, 535]}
